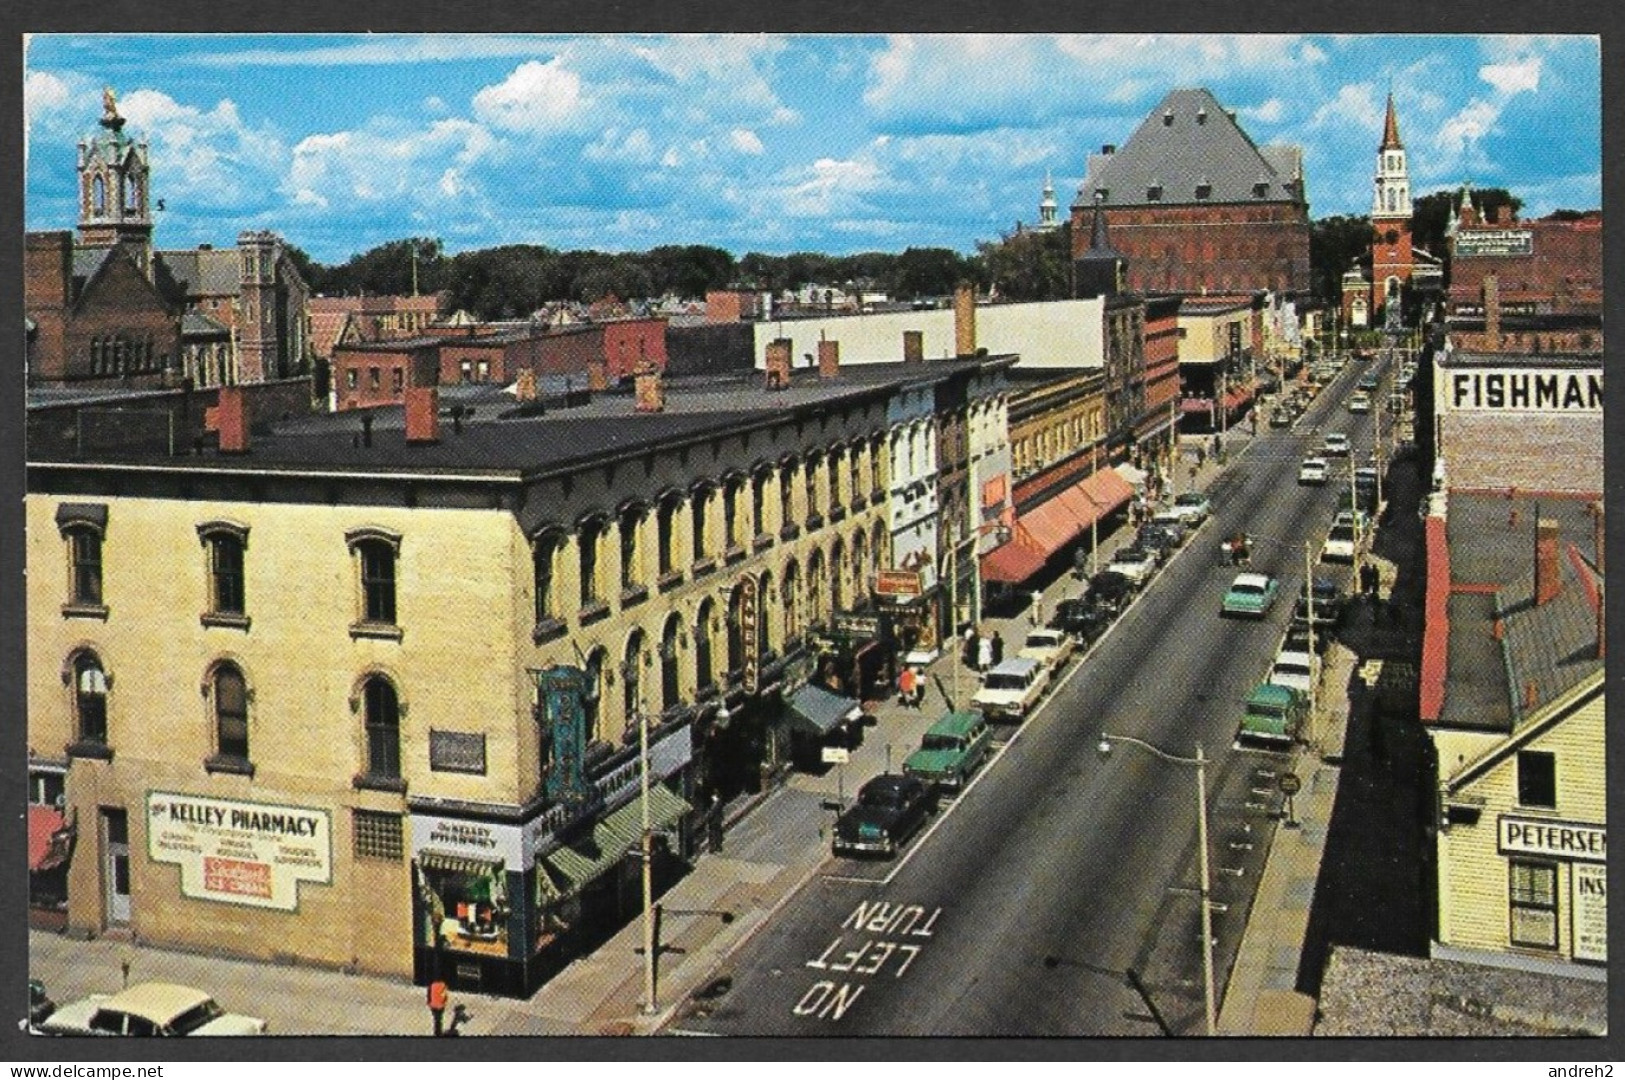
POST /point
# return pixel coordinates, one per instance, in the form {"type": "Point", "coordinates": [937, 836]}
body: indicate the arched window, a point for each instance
{"type": "Point", "coordinates": [382, 723]}
{"type": "Point", "coordinates": [632, 679]}
{"type": "Point", "coordinates": [703, 673]}
{"type": "Point", "coordinates": [377, 568]}
{"type": "Point", "coordinates": [587, 537]}
{"type": "Point", "coordinates": [792, 602]}
{"type": "Point", "coordinates": [670, 687]}
{"type": "Point", "coordinates": [860, 569]}
{"type": "Point", "coordinates": [817, 609]}
{"type": "Point", "coordinates": [98, 196]}
{"type": "Point", "coordinates": [225, 544]}
{"type": "Point", "coordinates": [736, 638]}
{"type": "Point", "coordinates": [132, 193]}
{"type": "Point", "coordinates": [544, 561]}
{"type": "Point", "coordinates": [230, 713]}
{"type": "Point", "coordinates": [593, 705]}
{"type": "Point", "coordinates": [631, 549]}
{"type": "Point", "coordinates": [837, 575]}
{"type": "Point", "coordinates": [89, 699]}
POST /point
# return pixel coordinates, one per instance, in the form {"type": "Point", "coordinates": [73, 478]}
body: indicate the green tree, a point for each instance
{"type": "Point", "coordinates": [923, 272]}
{"type": "Point", "coordinates": [1336, 243]}
{"type": "Point", "coordinates": [1029, 265]}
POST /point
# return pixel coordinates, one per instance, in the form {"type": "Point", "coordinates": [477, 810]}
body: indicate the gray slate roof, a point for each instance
{"type": "Point", "coordinates": [1187, 140]}
{"type": "Point", "coordinates": [204, 271]}
{"type": "Point", "coordinates": [196, 324]}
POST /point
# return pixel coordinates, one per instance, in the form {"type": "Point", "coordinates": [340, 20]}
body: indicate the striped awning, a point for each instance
{"type": "Point", "coordinates": [578, 863]}
{"type": "Point", "coordinates": [456, 863]}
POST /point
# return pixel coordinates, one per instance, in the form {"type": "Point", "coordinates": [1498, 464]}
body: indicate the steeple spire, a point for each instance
{"type": "Point", "coordinates": [1390, 128]}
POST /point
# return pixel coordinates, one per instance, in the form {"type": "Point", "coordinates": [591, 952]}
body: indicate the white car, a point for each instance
{"type": "Point", "coordinates": [1313, 471]}
{"type": "Point", "coordinates": [1050, 647]}
{"type": "Point", "coordinates": [1360, 402]}
{"type": "Point", "coordinates": [1011, 688]}
{"type": "Point", "coordinates": [149, 1008]}
{"type": "Point", "coordinates": [1341, 543]}
{"type": "Point", "coordinates": [1134, 563]}
{"type": "Point", "coordinates": [1295, 669]}
{"type": "Point", "coordinates": [1335, 444]}
{"type": "Point", "coordinates": [1191, 506]}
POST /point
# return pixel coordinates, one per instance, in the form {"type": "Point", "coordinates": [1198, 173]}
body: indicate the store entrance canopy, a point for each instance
{"type": "Point", "coordinates": [821, 712]}
{"type": "Point", "coordinates": [457, 864]}
{"type": "Point", "coordinates": [44, 822]}
{"type": "Point", "coordinates": [578, 863]}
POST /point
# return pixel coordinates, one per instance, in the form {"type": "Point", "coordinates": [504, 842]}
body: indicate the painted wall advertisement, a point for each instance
{"type": "Point", "coordinates": [1590, 907]}
{"type": "Point", "coordinates": [240, 852]}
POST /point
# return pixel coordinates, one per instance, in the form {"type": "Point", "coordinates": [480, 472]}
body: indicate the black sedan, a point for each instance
{"type": "Point", "coordinates": [1083, 619]}
{"type": "Point", "coordinates": [1111, 590]}
{"type": "Point", "coordinates": [890, 809]}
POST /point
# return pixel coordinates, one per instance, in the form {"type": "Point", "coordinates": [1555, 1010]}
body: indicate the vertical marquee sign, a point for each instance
{"type": "Point", "coordinates": [562, 695]}
{"type": "Point", "coordinates": [749, 615]}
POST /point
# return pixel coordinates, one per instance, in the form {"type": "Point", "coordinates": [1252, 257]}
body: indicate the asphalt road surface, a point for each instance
{"type": "Point", "coordinates": [1024, 905]}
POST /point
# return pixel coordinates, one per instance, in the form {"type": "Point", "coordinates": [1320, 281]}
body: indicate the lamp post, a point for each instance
{"type": "Point", "coordinates": [1199, 762]}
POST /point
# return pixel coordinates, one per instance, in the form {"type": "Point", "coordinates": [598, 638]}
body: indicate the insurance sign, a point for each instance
{"type": "Point", "coordinates": [240, 852]}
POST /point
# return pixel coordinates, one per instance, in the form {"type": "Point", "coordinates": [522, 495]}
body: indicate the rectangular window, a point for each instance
{"type": "Point", "coordinates": [1532, 894]}
{"type": "Point", "coordinates": [397, 379]}
{"type": "Point", "coordinates": [378, 582]}
{"type": "Point", "coordinates": [378, 835]}
{"type": "Point", "coordinates": [485, 370]}
{"type": "Point", "coordinates": [87, 566]}
{"type": "Point", "coordinates": [373, 378]}
{"type": "Point", "coordinates": [47, 788]}
{"type": "Point", "coordinates": [350, 379]}
{"type": "Point", "coordinates": [1537, 779]}
{"type": "Point", "coordinates": [226, 568]}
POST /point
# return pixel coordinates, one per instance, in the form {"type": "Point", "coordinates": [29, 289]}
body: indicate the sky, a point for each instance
{"type": "Point", "coordinates": [829, 143]}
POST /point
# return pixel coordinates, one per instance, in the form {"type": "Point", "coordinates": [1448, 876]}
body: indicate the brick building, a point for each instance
{"type": "Point", "coordinates": [1549, 266]}
{"type": "Point", "coordinates": [371, 374]}
{"type": "Point", "coordinates": [1196, 206]}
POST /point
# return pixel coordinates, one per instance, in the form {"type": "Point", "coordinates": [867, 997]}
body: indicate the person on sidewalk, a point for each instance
{"type": "Point", "coordinates": [437, 1005]}
{"type": "Point", "coordinates": [998, 648]}
{"type": "Point", "coordinates": [984, 653]}
{"type": "Point", "coordinates": [905, 686]}
{"type": "Point", "coordinates": [1037, 610]}
{"type": "Point", "coordinates": [919, 687]}
{"type": "Point", "coordinates": [970, 654]}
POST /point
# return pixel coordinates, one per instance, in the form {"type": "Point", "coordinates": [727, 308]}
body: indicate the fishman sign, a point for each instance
{"type": "Point", "coordinates": [240, 852]}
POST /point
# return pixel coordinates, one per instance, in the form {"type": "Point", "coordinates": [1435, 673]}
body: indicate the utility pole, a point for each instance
{"type": "Point", "coordinates": [1314, 665]}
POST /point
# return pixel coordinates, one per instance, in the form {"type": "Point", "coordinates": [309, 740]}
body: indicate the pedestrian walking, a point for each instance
{"type": "Point", "coordinates": [984, 653]}
{"type": "Point", "coordinates": [437, 1005]}
{"type": "Point", "coordinates": [1037, 610]}
{"type": "Point", "coordinates": [971, 652]}
{"type": "Point", "coordinates": [919, 688]}
{"type": "Point", "coordinates": [905, 686]}
{"type": "Point", "coordinates": [998, 648]}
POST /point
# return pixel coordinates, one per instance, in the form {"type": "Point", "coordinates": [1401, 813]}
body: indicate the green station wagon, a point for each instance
{"type": "Point", "coordinates": [1273, 715]}
{"type": "Point", "coordinates": [951, 750]}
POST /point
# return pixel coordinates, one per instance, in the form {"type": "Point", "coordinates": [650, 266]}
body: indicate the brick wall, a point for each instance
{"type": "Point", "coordinates": [1218, 248]}
{"type": "Point", "coordinates": [1527, 451]}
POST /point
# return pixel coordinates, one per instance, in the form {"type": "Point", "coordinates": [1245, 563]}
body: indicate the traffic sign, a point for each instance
{"type": "Point", "coordinates": [1290, 784]}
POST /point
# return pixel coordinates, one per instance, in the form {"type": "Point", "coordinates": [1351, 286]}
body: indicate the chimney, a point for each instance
{"type": "Point", "coordinates": [597, 375]}
{"type": "Point", "coordinates": [1548, 569]}
{"type": "Point", "coordinates": [913, 346]}
{"type": "Point", "coordinates": [829, 359]}
{"type": "Point", "coordinates": [1492, 313]}
{"type": "Point", "coordinates": [778, 364]}
{"type": "Point", "coordinates": [650, 389]}
{"type": "Point", "coordinates": [422, 415]}
{"type": "Point", "coordinates": [965, 319]}
{"type": "Point", "coordinates": [231, 420]}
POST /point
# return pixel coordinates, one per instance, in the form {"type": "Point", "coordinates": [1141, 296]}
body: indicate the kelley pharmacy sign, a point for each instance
{"type": "Point", "coordinates": [240, 852]}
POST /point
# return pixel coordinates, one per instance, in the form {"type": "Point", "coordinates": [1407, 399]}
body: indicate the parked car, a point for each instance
{"type": "Point", "coordinates": [1282, 416]}
{"type": "Point", "coordinates": [1111, 590]}
{"type": "Point", "coordinates": [1296, 669]}
{"type": "Point", "coordinates": [1369, 382]}
{"type": "Point", "coordinates": [1169, 522]}
{"type": "Point", "coordinates": [1335, 444]}
{"type": "Point", "coordinates": [889, 810]}
{"type": "Point", "coordinates": [1272, 715]}
{"type": "Point", "coordinates": [149, 1008]}
{"type": "Point", "coordinates": [951, 749]}
{"type": "Point", "coordinates": [1313, 471]}
{"type": "Point", "coordinates": [1011, 688]}
{"type": "Point", "coordinates": [1340, 544]}
{"type": "Point", "coordinates": [1135, 563]}
{"type": "Point", "coordinates": [1359, 402]}
{"type": "Point", "coordinates": [1084, 619]}
{"type": "Point", "coordinates": [1050, 647]}
{"type": "Point", "coordinates": [1192, 507]}
{"type": "Point", "coordinates": [1251, 595]}
{"type": "Point", "coordinates": [1327, 600]}
{"type": "Point", "coordinates": [1159, 541]}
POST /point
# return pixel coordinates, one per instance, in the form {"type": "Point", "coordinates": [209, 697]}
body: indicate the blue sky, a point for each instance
{"type": "Point", "coordinates": [834, 143]}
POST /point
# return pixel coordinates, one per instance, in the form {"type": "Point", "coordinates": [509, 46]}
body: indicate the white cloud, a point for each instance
{"type": "Point", "coordinates": [1353, 106]}
{"type": "Point", "coordinates": [830, 186]}
{"type": "Point", "coordinates": [1268, 112]}
{"type": "Point", "coordinates": [45, 92]}
{"type": "Point", "coordinates": [1462, 132]}
{"type": "Point", "coordinates": [387, 49]}
{"type": "Point", "coordinates": [746, 142]}
{"type": "Point", "coordinates": [535, 97]}
{"type": "Point", "coordinates": [1514, 77]}
{"type": "Point", "coordinates": [434, 103]}
{"type": "Point", "coordinates": [632, 147]}
{"type": "Point", "coordinates": [389, 166]}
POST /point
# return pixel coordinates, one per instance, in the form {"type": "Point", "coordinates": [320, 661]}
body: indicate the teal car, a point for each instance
{"type": "Point", "coordinates": [1272, 715]}
{"type": "Point", "coordinates": [951, 750]}
{"type": "Point", "coordinates": [1250, 595]}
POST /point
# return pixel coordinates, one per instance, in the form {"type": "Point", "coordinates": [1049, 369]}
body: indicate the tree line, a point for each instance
{"type": "Point", "coordinates": [513, 280]}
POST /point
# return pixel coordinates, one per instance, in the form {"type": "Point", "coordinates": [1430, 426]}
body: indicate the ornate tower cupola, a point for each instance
{"type": "Point", "coordinates": [1391, 259]}
{"type": "Point", "coordinates": [1047, 207]}
{"type": "Point", "coordinates": [113, 189]}
{"type": "Point", "coordinates": [1102, 269]}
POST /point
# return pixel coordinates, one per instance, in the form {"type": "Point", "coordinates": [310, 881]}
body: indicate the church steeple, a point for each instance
{"type": "Point", "coordinates": [113, 189]}
{"type": "Point", "coordinates": [1047, 206]}
{"type": "Point", "coordinates": [1390, 128]}
{"type": "Point", "coordinates": [1392, 198]}
{"type": "Point", "coordinates": [1391, 257]}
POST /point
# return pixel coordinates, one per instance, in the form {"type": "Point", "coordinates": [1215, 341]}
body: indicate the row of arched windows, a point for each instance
{"type": "Point", "coordinates": [117, 355]}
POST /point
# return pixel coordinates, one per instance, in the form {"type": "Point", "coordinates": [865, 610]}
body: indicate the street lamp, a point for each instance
{"type": "Point", "coordinates": [1199, 762]}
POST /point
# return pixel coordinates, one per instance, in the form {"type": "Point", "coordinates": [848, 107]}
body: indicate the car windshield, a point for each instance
{"type": "Point", "coordinates": [1188, 499]}
{"type": "Point", "coordinates": [1247, 588]}
{"type": "Point", "coordinates": [882, 796]}
{"type": "Point", "coordinates": [1000, 681]}
{"type": "Point", "coordinates": [195, 1017]}
{"type": "Point", "coordinates": [1042, 641]}
{"type": "Point", "coordinates": [939, 742]}
{"type": "Point", "coordinates": [1291, 667]}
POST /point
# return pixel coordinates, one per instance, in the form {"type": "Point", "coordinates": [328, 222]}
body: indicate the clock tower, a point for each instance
{"type": "Point", "coordinates": [1391, 259]}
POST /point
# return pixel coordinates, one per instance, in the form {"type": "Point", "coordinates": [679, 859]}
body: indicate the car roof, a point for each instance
{"type": "Point", "coordinates": [1313, 460]}
{"type": "Point", "coordinates": [1190, 498]}
{"type": "Point", "coordinates": [887, 780]}
{"type": "Point", "coordinates": [1013, 665]}
{"type": "Point", "coordinates": [1271, 694]}
{"type": "Point", "coordinates": [156, 1001]}
{"type": "Point", "coordinates": [1045, 631]}
{"type": "Point", "coordinates": [1258, 581]}
{"type": "Point", "coordinates": [956, 723]}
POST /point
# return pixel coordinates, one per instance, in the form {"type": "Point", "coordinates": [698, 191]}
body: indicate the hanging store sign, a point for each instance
{"type": "Point", "coordinates": [898, 583]}
{"type": "Point", "coordinates": [1590, 906]}
{"type": "Point", "coordinates": [240, 852]}
{"type": "Point", "coordinates": [1553, 839]}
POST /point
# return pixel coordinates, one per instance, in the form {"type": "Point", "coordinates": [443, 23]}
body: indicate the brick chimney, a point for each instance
{"type": "Point", "coordinates": [1548, 569]}
{"type": "Point", "coordinates": [422, 415]}
{"type": "Point", "coordinates": [913, 346]}
{"type": "Point", "coordinates": [964, 320]}
{"type": "Point", "coordinates": [597, 375]}
{"type": "Point", "coordinates": [231, 420]}
{"type": "Point", "coordinates": [778, 364]}
{"type": "Point", "coordinates": [829, 359]}
{"type": "Point", "coordinates": [650, 389]}
{"type": "Point", "coordinates": [1492, 313]}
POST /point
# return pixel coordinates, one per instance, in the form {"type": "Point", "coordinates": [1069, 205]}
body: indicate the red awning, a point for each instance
{"type": "Point", "coordinates": [1435, 622]}
{"type": "Point", "coordinates": [43, 823]}
{"type": "Point", "coordinates": [1012, 563]}
{"type": "Point", "coordinates": [1051, 525]}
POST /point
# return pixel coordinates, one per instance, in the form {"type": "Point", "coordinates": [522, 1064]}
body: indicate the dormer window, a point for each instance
{"type": "Point", "coordinates": [1102, 194]}
{"type": "Point", "coordinates": [1204, 190]}
{"type": "Point", "coordinates": [1153, 193]}
{"type": "Point", "coordinates": [1201, 116]}
{"type": "Point", "coordinates": [1260, 189]}
{"type": "Point", "coordinates": [1168, 118]}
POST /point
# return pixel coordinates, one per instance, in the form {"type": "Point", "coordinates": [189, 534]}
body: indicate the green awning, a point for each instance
{"type": "Point", "coordinates": [457, 864]}
{"type": "Point", "coordinates": [578, 863]}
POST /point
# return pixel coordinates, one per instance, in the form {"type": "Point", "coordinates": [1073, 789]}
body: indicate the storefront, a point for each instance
{"type": "Point", "coordinates": [821, 719]}
{"type": "Point", "coordinates": [51, 835]}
